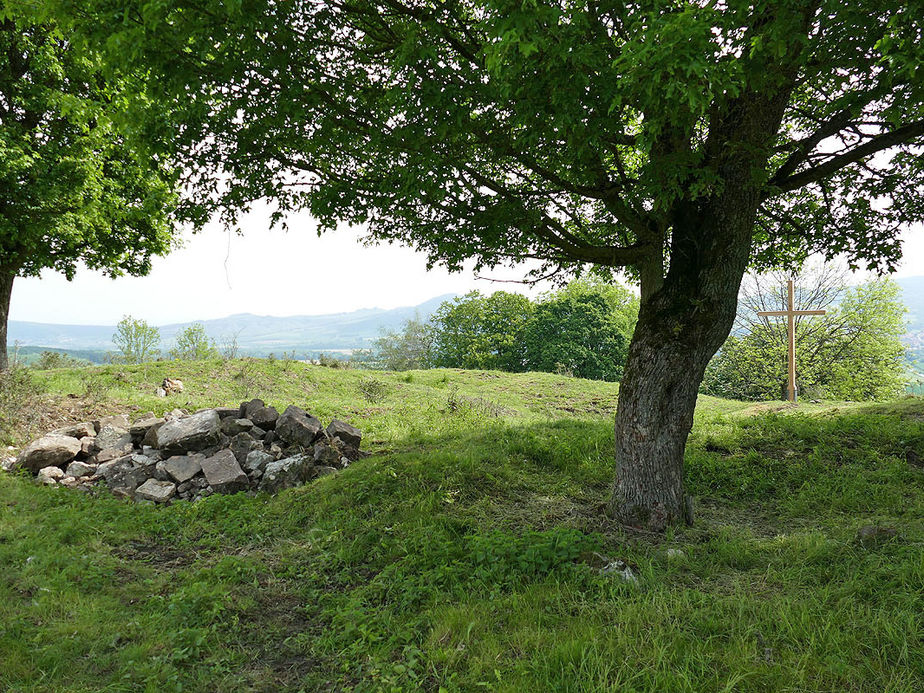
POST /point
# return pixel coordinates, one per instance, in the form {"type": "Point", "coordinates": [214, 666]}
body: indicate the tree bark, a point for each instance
{"type": "Point", "coordinates": [6, 292]}
{"type": "Point", "coordinates": [680, 327]}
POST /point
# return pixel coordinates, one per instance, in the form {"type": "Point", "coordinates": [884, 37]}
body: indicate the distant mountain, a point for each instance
{"type": "Point", "coordinates": [256, 334]}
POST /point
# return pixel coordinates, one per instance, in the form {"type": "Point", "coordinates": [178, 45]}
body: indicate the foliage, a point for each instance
{"type": "Point", "coordinates": [137, 341]}
{"type": "Point", "coordinates": [57, 359]}
{"type": "Point", "coordinates": [20, 405]}
{"type": "Point", "coordinates": [475, 331]}
{"type": "Point", "coordinates": [372, 389]}
{"type": "Point", "coordinates": [852, 352]}
{"type": "Point", "coordinates": [455, 556]}
{"type": "Point", "coordinates": [406, 349]}
{"type": "Point", "coordinates": [569, 132]}
{"type": "Point", "coordinates": [583, 329]}
{"type": "Point", "coordinates": [193, 344]}
{"type": "Point", "coordinates": [71, 188]}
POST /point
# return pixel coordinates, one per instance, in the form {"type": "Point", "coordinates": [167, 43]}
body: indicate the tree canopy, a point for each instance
{"type": "Point", "coordinates": [71, 189]}
{"type": "Point", "coordinates": [569, 132]}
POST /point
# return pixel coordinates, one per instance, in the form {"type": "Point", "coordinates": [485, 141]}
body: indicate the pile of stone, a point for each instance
{"type": "Point", "coordinates": [191, 456]}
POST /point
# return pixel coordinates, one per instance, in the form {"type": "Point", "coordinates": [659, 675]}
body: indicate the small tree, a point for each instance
{"type": "Point", "coordinates": [853, 352]}
{"type": "Point", "coordinates": [475, 331]}
{"type": "Point", "coordinates": [136, 340]}
{"type": "Point", "coordinates": [48, 360]}
{"type": "Point", "coordinates": [406, 349]}
{"type": "Point", "coordinates": [193, 344]}
{"type": "Point", "coordinates": [584, 329]}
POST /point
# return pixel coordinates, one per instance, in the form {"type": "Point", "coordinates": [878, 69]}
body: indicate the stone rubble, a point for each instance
{"type": "Point", "coordinates": [183, 456]}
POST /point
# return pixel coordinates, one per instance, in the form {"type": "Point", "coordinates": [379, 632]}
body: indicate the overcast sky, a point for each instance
{"type": "Point", "coordinates": [270, 272]}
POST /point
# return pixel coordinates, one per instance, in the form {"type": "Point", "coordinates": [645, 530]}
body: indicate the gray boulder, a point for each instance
{"type": "Point", "coordinates": [248, 408]}
{"type": "Point", "coordinates": [117, 420]}
{"type": "Point", "coordinates": [114, 438]}
{"type": "Point", "coordinates": [223, 473]}
{"type": "Point", "coordinates": [298, 427]}
{"type": "Point", "coordinates": [182, 468]}
{"type": "Point", "coordinates": [157, 491]}
{"type": "Point", "coordinates": [242, 445]}
{"type": "Point", "coordinates": [347, 433]}
{"type": "Point", "coordinates": [192, 433]}
{"type": "Point", "coordinates": [324, 454]}
{"type": "Point", "coordinates": [265, 418]}
{"type": "Point", "coordinates": [123, 478]}
{"type": "Point", "coordinates": [225, 412]}
{"type": "Point", "coordinates": [48, 451]}
{"type": "Point", "coordinates": [140, 428]}
{"type": "Point", "coordinates": [231, 427]}
{"type": "Point", "coordinates": [257, 461]}
{"type": "Point", "coordinates": [79, 430]}
{"type": "Point", "coordinates": [49, 475]}
{"type": "Point", "coordinates": [80, 469]}
{"type": "Point", "coordinates": [286, 473]}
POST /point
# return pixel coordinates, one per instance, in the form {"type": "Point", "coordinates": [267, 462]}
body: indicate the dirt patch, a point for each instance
{"type": "Point", "coordinates": [164, 557]}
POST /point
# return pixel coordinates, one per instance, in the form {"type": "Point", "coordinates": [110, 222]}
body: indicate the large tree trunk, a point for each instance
{"type": "Point", "coordinates": [6, 292]}
{"type": "Point", "coordinates": [680, 327]}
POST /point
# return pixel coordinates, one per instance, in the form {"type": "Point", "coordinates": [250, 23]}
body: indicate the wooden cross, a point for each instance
{"type": "Point", "coordinates": [791, 313]}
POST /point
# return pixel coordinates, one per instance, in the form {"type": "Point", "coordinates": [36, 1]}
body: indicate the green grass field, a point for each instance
{"type": "Point", "coordinates": [460, 557]}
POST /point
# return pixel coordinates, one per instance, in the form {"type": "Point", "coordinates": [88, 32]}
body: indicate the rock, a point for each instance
{"type": "Point", "coordinates": [88, 446]}
{"type": "Point", "coordinates": [110, 454]}
{"type": "Point", "coordinates": [286, 473]}
{"type": "Point", "coordinates": [257, 460]}
{"type": "Point", "coordinates": [275, 451]}
{"type": "Point", "coordinates": [231, 427]}
{"type": "Point", "coordinates": [872, 535]}
{"type": "Point", "coordinates": [226, 412]}
{"type": "Point", "coordinates": [124, 478]}
{"type": "Point", "coordinates": [157, 491]}
{"type": "Point", "coordinates": [112, 437]}
{"type": "Point", "coordinates": [182, 468]}
{"type": "Point", "coordinates": [80, 469]}
{"type": "Point", "coordinates": [80, 430]}
{"type": "Point", "coordinates": [149, 464]}
{"type": "Point", "coordinates": [347, 433]}
{"type": "Point", "coordinates": [69, 482]}
{"type": "Point", "coordinates": [324, 454]}
{"type": "Point", "coordinates": [192, 433]}
{"type": "Point", "coordinates": [150, 436]}
{"type": "Point", "coordinates": [140, 428]}
{"type": "Point", "coordinates": [184, 487]}
{"type": "Point", "coordinates": [265, 418]}
{"type": "Point", "coordinates": [48, 451]}
{"type": "Point", "coordinates": [297, 427]}
{"type": "Point", "coordinates": [160, 472]}
{"type": "Point", "coordinates": [117, 420]}
{"type": "Point", "coordinates": [242, 445]}
{"type": "Point", "coordinates": [49, 475]}
{"type": "Point", "coordinates": [175, 414]}
{"type": "Point", "coordinates": [223, 472]}
{"type": "Point", "coordinates": [324, 470]}
{"type": "Point", "coordinates": [160, 392]}
{"type": "Point", "coordinates": [248, 408]}
{"type": "Point", "coordinates": [172, 385]}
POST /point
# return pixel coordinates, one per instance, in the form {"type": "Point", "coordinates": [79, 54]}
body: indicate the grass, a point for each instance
{"type": "Point", "coordinates": [458, 558]}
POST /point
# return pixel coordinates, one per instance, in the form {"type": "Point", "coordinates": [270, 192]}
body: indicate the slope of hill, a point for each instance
{"type": "Point", "coordinates": [466, 554]}
{"type": "Point", "coordinates": [256, 334]}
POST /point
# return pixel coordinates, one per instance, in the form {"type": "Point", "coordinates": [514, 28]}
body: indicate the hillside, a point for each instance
{"type": "Point", "coordinates": [464, 554]}
{"type": "Point", "coordinates": [257, 335]}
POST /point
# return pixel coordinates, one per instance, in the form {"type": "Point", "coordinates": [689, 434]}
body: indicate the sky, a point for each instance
{"type": "Point", "coordinates": [271, 272]}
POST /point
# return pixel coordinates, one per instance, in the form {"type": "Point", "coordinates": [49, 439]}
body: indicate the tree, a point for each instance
{"type": "Point", "coordinates": [193, 344]}
{"type": "Point", "coordinates": [853, 352]}
{"type": "Point", "coordinates": [583, 328]}
{"type": "Point", "coordinates": [71, 190]}
{"type": "Point", "coordinates": [681, 141]}
{"type": "Point", "coordinates": [405, 349]}
{"type": "Point", "coordinates": [136, 340]}
{"type": "Point", "coordinates": [475, 331]}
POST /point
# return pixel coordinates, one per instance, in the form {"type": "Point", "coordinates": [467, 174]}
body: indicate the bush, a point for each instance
{"type": "Point", "coordinates": [136, 340]}
{"type": "Point", "coordinates": [48, 360]}
{"type": "Point", "coordinates": [21, 407]}
{"type": "Point", "coordinates": [193, 344]}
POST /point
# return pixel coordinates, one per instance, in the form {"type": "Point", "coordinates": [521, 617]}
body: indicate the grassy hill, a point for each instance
{"type": "Point", "coordinates": [460, 557]}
